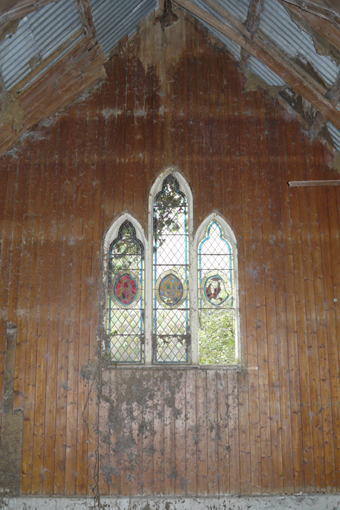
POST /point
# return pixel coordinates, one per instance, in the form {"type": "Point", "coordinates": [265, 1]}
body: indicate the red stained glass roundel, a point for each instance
{"type": "Point", "coordinates": [125, 289]}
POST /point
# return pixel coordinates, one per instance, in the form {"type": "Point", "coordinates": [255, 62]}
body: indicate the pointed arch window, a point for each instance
{"type": "Point", "coordinates": [125, 310]}
{"type": "Point", "coordinates": [216, 297]}
{"type": "Point", "coordinates": [174, 298]}
{"type": "Point", "coordinates": [171, 312]}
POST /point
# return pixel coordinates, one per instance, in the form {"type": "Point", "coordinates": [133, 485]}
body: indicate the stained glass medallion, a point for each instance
{"type": "Point", "coordinates": [216, 289]}
{"type": "Point", "coordinates": [125, 289]}
{"type": "Point", "coordinates": [170, 290]}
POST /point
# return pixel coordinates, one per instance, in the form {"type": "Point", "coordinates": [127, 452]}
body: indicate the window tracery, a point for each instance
{"type": "Point", "coordinates": [171, 301]}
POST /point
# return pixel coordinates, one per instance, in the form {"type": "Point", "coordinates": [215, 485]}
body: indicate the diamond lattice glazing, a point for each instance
{"type": "Point", "coordinates": [171, 293]}
{"type": "Point", "coordinates": [126, 298]}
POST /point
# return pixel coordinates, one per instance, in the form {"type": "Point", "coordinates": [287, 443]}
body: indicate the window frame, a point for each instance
{"type": "Point", "coordinates": [229, 236]}
{"type": "Point", "coordinates": [194, 240]}
{"type": "Point", "coordinates": [155, 189]}
{"type": "Point", "coordinates": [110, 236]}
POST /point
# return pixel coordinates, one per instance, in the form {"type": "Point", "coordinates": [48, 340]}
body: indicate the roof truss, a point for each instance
{"type": "Point", "coordinates": [320, 18]}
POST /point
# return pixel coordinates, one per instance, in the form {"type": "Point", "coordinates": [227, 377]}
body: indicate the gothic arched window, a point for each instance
{"type": "Point", "coordinates": [175, 299]}
{"type": "Point", "coordinates": [125, 307]}
{"type": "Point", "coordinates": [216, 296]}
{"type": "Point", "coordinates": [171, 310]}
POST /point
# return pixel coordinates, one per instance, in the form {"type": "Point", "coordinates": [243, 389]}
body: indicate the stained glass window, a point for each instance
{"type": "Point", "coordinates": [172, 297]}
{"type": "Point", "coordinates": [125, 317]}
{"type": "Point", "coordinates": [171, 328]}
{"type": "Point", "coordinates": [216, 298]}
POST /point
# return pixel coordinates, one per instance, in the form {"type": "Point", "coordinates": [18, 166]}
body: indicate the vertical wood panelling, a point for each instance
{"type": "Point", "coordinates": [3, 328]}
{"type": "Point", "coordinates": [318, 358]}
{"type": "Point", "coordinates": [325, 328]}
{"type": "Point", "coordinates": [180, 435]}
{"type": "Point", "coordinates": [42, 334]}
{"type": "Point", "coordinates": [190, 434]}
{"type": "Point", "coordinates": [280, 334]}
{"type": "Point", "coordinates": [274, 446]}
{"type": "Point", "coordinates": [36, 213]}
{"type": "Point", "coordinates": [303, 303]}
{"type": "Point", "coordinates": [333, 318]}
{"type": "Point", "coordinates": [201, 432]}
{"type": "Point", "coordinates": [290, 313]}
{"type": "Point", "coordinates": [57, 175]}
{"type": "Point", "coordinates": [212, 433]}
{"type": "Point", "coordinates": [248, 185]}
{"type": "Point", "coordinates": [67, 220]}
{"type": "Point", "coordinates": [271, 425]}
{"type": "Point", "coordinates": [84, 385]}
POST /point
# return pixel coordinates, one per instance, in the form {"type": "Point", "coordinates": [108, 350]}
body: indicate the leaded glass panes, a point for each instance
{"type": "Point", "coordinates": [125, 317]}
{"type": "Point", "coordinates": [171, 328]}
{"type": "Point", "coordinates": [216, 298]}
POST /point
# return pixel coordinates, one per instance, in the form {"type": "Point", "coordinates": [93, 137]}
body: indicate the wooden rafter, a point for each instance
{"type": "Point", "coordinates": [252, 22]}
{"type": "Point", "coordinates": [333, 95]}
{"type": "Point", "coordinates": [270, 55]}
{"type": "Point", "coordinates": [15, 9]}
{"type": "Point", "coordinates": [85, 12]}
{"type": "Point", "coordinates": [253, 16]}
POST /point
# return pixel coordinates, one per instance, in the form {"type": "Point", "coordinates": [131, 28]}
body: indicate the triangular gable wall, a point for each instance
{"type": "Point", "coordinates": [269, 426]}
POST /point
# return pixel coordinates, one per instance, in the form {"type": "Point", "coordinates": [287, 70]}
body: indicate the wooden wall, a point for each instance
{"type": "Point", "coordinates": [171, 98]}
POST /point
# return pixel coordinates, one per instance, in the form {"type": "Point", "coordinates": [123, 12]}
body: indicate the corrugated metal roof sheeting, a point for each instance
{"type": "Point", "coordinates": [275, 22]}
{"type": "Point", "coordinates": [238, 8]}
{"type": "Point", "coordinates": [38, 35]}
{"type": "Point", "coordinates": [51, 63]}
{"type": "Point", "coordinates": [232, 46]}
{"type": "Point", "coordinates": [335, 135]}
{"type": "Point", "coordinates": [263, 72]}
{"type": "Point", "coordinates": [113, 19]}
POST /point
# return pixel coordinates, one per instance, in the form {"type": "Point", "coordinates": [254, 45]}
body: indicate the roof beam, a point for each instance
{"type": "Point", "coordinates": [253, 16]}
{"type": "Point", "coordinates": [85, 12]}
{"type": "Point", "coordinates": [252, 22]}
{"type": "Point", "coordinates": [15, 9]}
{"type": "Point", "coordinates": [320, 120]}
{"type": "Point", "coordinates": [270, 55]}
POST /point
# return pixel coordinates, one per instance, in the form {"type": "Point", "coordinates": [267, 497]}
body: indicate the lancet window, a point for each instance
{"type": "Point", "coordinates": [174, 298]}
{"type": "Point", "coordinates": [125, 310]}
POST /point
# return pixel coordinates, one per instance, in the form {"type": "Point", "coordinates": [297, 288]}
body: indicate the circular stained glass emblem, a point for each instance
{"type": "Point", "coordinates": [214, 290]}
{"type": "Point", "coordinates": [125, 289]}
{"type": "Point", "coordinates": [170, 289]}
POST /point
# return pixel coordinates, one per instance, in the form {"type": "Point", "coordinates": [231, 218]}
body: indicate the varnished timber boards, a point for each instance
{"type": "Point", "coordinates": [273, 425]}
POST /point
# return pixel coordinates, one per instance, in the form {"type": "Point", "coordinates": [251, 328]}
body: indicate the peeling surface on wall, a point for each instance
{"type": "Point", "coordinates": [254, 82]}
{"type": "Point", "coordinates": [11, 111]}
{"type": "Point", "coordinates": [152, 433]}
{"type": "Point", "coordinates": [301, 502]}
{"type": "Point", "coordinates": [12, 424]}
{"type": "Point", "coordinates": [335, 163]}
{"type": "Point", "coordinates": [165, 54]}
{"type": "Point", "coordinates": [321, 44]}
{"type": "Point", "coordinates": [272, 427]}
